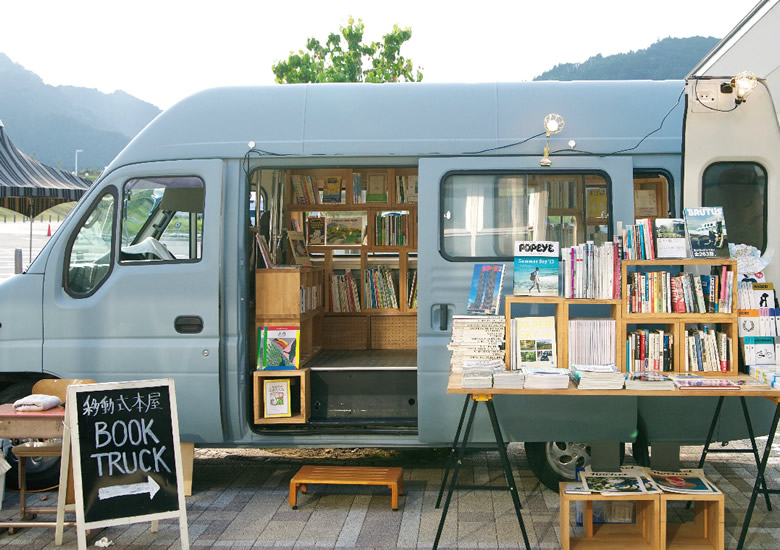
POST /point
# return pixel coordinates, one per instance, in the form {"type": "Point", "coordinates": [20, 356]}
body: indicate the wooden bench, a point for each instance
{"type": "Point", "coordinates": [347, 475]}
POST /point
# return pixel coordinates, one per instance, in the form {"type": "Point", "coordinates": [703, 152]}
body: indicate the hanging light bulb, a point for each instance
{"type": "Point", "coordinates": [743, 84]}
{"type": "Point", "coordinates": [553, 123]}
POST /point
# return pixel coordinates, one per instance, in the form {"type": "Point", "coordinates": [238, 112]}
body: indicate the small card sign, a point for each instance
{"type": "Point", "coordinates": [126, 455]}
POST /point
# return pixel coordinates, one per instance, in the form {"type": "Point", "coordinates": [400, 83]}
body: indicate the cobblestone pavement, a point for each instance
{"type": "Point", "coordinates": [240, 500]}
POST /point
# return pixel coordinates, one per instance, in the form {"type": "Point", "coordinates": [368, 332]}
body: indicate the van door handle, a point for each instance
{"type": "Point", "coordinates": [188, 324]}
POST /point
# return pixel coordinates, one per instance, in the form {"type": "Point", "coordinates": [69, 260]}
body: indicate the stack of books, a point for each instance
{"type": "Point", "coordinates": [479, 374]}
{"type": "Point", "coordinates": [546, 378]}
{"type": "Point", "coordinates": [513, 379]}
{"type": "Point", "coordinates": [476, 338]}
{"type": "Point", "coordinates": [648, 380]}
{"type": "Point", "coordinates": [597, 377]}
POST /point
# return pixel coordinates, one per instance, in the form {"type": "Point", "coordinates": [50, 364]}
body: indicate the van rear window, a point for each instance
{"type": "Point", "coordinates": [484, 214]}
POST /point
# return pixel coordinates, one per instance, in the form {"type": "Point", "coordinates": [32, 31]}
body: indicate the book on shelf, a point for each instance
{"type": "Point", "coordinates": [705, 228]}
{"type": "Point", "coordinates": [380, 288]}
{"type": "Point", "coordinates": [638, 241]}
{"type": "Point", "coordinates": [645, 202]}
{"type": "Point", "coordinates": [649, 350]}
{"type": "Point", "coordinates": [485, 292]}
{"type": "Point", "coordinates": [265, 255]}
{"type": "Point", "coordinates": [411, 298]}
{"type": "Point", "coordinates": [406, 189]}
{"type": "Point", "coordinates": [759, 350]}
{"type": "Point", "coordinates": [708, 350]}
{"type": "Point", "coordinates": [276, 398]}
{"type": "Point", "coordinates": [298, 189]}
{"type": "Point", "coordinates": [346, 230]}
{"type": "Point", "coordinates": [331, 190]}
{"type": "Point", "coordinates": [358, 192]}
{"type": "Point", "coordinates": [536, 268]}
{"type": "Point", "coordinates": [343, 289]}
{"type": "Point", "coordinates": [533, 342]}
{"type": "Point", "coordinates": [376, 189]}
{"type": "Point", "coordinates": [670, 238]}
{"type": "Point", "coordinates": [391, 229]}
{"type": "Point", "coordinates": [278, 347]}
{"type": "Point", "coordinates": [300, 253]}
{"type": "Point", "coordinates": [591, 271]}
{"type": "Point", "coordinates": [315, 230]}
{"type": "Point", "coordinates": [596, 202]}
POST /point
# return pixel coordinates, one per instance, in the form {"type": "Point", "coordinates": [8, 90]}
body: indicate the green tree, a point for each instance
{"type": "Point", "coordinates": [350, 60]}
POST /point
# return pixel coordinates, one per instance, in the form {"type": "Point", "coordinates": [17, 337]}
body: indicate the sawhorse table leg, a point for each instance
{"type": "Point", "coordinates": [760, 479]}
{"type": "Point", "coordinates": [453, 484]}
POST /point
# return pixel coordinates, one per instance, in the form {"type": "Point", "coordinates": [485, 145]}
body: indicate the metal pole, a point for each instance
{"type": "Point", "coordinates": [76, 164]}
{"type": "Point", "coordinates": [17, 260]}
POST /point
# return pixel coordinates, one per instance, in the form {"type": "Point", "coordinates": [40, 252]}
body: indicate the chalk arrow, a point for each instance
{"type": "Point", "coordinates": [149, 486]}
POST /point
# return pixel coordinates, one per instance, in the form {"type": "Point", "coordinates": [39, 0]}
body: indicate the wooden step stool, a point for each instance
{"type": "Point", "coordinates": [347, 475]}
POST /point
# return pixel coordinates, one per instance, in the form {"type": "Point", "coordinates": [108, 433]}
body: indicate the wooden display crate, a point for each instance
{"type": "Point", "coordinates": [299, 385]}
{"type": "Point", "coordinates": [705, 531]}
{"type": "Point", "coordinates": [642, 534]}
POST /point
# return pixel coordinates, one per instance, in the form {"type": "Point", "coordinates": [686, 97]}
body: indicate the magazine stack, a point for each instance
{"type": "Point", "coordinates": [592, 341]}
{"type": "Point", "coordinates": [546, 378]}
{"type": "Point", "coordinates": [597, 377]}
{"type": "Point", "coordinates": [591, 271]}
{"type": "Point", "coordinates": [512, 379]}
{"type": "Point", "coordinates": [477, 338]}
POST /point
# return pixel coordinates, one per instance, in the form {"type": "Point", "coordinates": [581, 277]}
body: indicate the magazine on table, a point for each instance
{"type": "Point", "coordinates": [485, 293]}
{"type": "Point", "coordinates": [686, 481]}
{"type": "Point", "coordinates": [626, 482]}
{"type": "Point", "coordinates": [536, 268]}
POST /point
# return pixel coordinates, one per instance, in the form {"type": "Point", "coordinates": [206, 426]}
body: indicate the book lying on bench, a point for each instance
{"type": "Point", "coordinates": [705, 384]}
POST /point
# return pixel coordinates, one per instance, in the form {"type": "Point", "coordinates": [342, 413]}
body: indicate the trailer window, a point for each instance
{"type": "Point", "coordinates": [484, 214]}
{"type": "Point", "coordinates": [651, 195]}
{"type": "Point", "coordinates": [91, 250]}
{"type": "Point", "coordinates": [740, 188]}
{"type": "Point", "coordinates": [162, 219]}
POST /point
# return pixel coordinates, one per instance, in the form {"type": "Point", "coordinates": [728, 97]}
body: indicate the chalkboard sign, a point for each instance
{"type": "Point", "coordinates": [126, 453]}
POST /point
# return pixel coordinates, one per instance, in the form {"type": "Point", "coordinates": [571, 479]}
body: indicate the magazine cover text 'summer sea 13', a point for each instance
{"type": "Point", "coordinates": [536, 268]}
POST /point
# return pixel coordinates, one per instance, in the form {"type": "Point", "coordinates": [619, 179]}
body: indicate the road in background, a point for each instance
{"type": "Point", "coordinates": [17, 235]}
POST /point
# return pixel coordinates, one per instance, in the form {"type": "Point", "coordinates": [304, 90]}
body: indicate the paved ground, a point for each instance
{"type": "Point", "coordinates": [239, 501]}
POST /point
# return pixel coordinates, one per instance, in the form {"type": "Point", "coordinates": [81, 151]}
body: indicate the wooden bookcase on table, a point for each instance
{"type": "Point", "coordinates": [675, 323]}
{"type": "Point", "coordinates": [562, 314]}
{"type": "Point", "coordinates": [371, 327]}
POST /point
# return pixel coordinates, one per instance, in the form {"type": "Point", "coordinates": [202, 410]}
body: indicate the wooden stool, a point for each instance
{"type": "Point", "coordinates": [347, 475]}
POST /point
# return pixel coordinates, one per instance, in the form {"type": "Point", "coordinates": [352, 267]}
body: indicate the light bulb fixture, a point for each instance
{"type": "Point", "coordinates": [553, 123]}
{"type": "Point", "coordinates": [743, 84]}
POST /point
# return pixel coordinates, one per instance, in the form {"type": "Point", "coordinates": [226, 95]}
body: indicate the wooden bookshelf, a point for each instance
{"type": "Point", "coordinates": [299, 393]}
{"type": "Point", "coordinates": [369, 326]}
{"type": "Point", "coordinates": [675, 323]}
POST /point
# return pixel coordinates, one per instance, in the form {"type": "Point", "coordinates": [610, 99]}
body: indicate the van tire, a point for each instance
{"type": "Point", "coordinates": [553, 462]}
{"type": "Point", "coordinates": [42, 472]}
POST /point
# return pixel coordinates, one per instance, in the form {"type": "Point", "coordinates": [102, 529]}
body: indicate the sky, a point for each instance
{"type": "Point", "coordinates": [164, 50]}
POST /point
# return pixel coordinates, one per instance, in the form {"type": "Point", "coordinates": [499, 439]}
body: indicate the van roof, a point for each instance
{"type": "Point", "coordinates": [411, 119]}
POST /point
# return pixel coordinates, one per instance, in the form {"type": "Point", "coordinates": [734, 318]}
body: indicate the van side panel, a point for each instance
{"type": "Point", "coordinates": [21, 329]}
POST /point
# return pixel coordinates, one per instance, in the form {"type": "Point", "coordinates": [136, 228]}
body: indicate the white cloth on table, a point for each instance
{"type": "Point", "coordinates": [37, 402]}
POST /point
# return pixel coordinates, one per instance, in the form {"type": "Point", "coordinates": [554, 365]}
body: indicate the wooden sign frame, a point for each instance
{"type": "Point", "coordinates": [72, 442]}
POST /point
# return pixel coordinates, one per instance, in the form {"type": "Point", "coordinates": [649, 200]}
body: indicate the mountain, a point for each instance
{"type": "Point", "coordinates": [51, 122]}
{"type": "Point", "coordinates": [670, 58]}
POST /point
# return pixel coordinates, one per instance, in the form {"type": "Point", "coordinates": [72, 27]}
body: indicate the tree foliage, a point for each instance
{"type": "Point", "coordinates": [345, 58]}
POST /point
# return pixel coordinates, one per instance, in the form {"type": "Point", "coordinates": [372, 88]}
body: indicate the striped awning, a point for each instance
{"type": "Point", "coordinates": [21, 176]}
